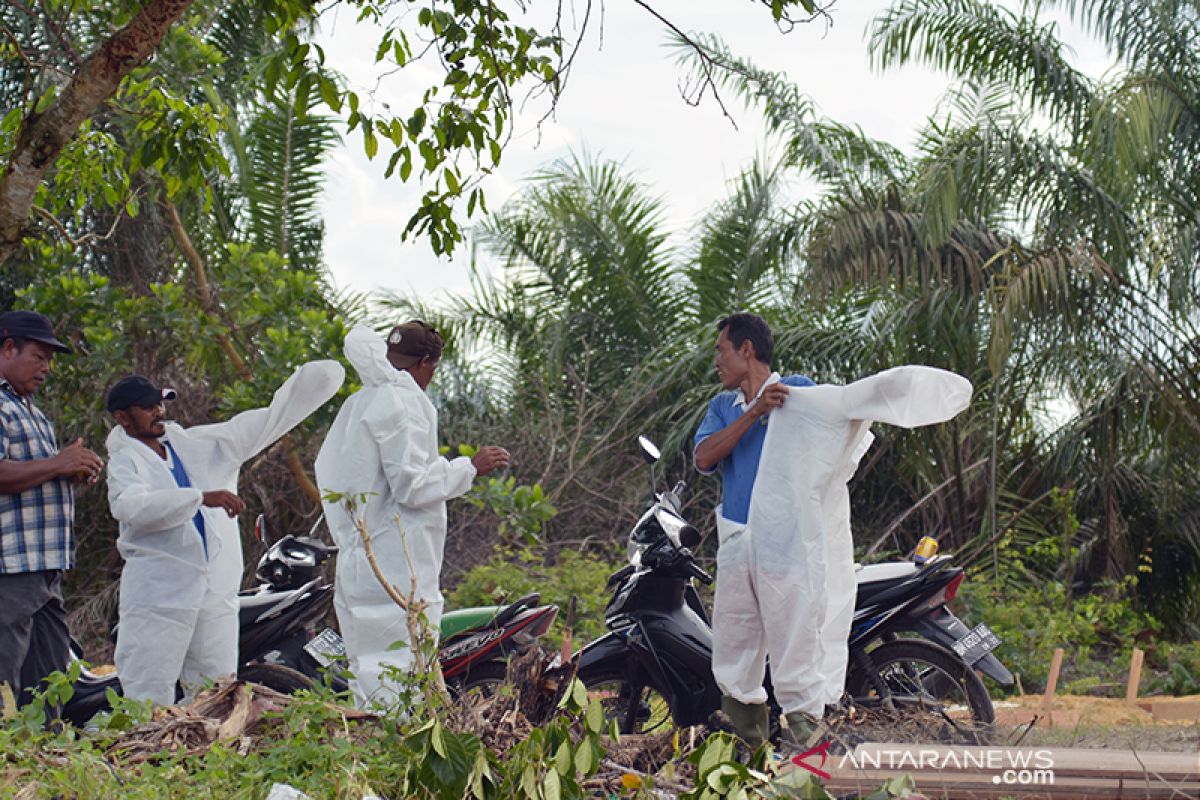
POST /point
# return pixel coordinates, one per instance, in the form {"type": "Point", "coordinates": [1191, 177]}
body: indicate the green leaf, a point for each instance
{"type": "Point", "coordinates": [480, 772]}
{"type": "Point", "coordinates": [584, 754]}
{"type": "Point", "coordinates": [329, 94]}
{"type": "Point", "coordinates": [595, 717]}
{"type": "Point", "coordinates": [436, 740]}
{"type": "Point", "coordinates": [46, 100]}
{"type": "Point", "coordinates": [562, 759]}
{"type": "Point", "coordinates": [551, 786]}
{"type": "Point", "coordinates": [579, 693]}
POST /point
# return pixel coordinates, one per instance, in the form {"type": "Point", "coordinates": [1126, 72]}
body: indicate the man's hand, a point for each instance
{"type": "Point", "coordinates": [78, 463]}
{"type": "Point", "coordinates": [219, 498]}
{"type": "Point", "coordinates": [489, 458]}
{"type": "Point", "coordinates": [771, 398]}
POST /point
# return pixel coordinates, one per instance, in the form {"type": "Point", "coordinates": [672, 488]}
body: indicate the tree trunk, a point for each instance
{"type": "Point", "coordinates": [43, 136]}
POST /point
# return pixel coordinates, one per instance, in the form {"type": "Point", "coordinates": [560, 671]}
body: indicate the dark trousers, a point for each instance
{"type": "Point", "coordinates": [33, 629]}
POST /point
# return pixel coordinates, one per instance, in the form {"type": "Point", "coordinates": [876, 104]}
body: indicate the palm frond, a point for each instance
{"type": "Point", "coordinates": [743, 240]}
{"type": "Point", "coordinates": [983, 42]}
{"type": "Point", "coordinates": [834, 153]}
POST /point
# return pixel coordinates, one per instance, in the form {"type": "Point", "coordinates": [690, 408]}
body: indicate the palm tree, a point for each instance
{"type": "Point", "coordinates": [1038, 243]}
{"type": "Point", "coordinates": [1129, 202]}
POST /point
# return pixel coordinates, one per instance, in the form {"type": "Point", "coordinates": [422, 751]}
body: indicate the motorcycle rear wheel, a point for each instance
{"type": "Point", "coordinates": [634, 709]}
{"type": "Point", "coordinates": [935, 696]}
{"type": "Point", "coordinates": [481, 679]}
{"type": "Point", "coordinates": [275, 676]}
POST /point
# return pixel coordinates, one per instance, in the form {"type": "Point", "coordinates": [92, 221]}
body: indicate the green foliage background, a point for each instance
{"type": "Point", "coordinates": [1040, 239]}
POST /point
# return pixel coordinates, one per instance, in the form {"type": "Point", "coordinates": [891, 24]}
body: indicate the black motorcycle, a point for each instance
{"type": "Point", "coordinates": [655, 664]}
{"type": "Point", "coordinates": [281, 648]}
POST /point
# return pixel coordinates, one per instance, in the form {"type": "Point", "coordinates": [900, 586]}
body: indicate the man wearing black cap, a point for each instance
{"type": "Point", "coordinates": [37, 507]}
{"type": "Point", "coordinates": [172, 490]}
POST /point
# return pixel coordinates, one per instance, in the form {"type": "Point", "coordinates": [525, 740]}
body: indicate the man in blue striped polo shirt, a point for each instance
{"type": "Point", "coordinates": [746, 623]}
{"type": "Point", "coordinates": [37, 507]}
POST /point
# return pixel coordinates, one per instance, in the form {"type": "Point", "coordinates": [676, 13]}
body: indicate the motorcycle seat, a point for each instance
{"type": "Point", "coordinates": [889, 572]}
{"type": "Point", "coordinates": [512, 610]}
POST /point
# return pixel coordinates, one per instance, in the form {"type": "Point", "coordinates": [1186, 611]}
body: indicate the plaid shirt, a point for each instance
{"type": "Point", "coordinates": [35, 525]}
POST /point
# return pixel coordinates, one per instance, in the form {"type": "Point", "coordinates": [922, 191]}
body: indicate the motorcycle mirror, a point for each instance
{"type": "Point", "coordinates": [650, 455]}
{"type": "Point", "coordinates": [689, 537]}
{"type": "Point", "coordinates": [649, 450]}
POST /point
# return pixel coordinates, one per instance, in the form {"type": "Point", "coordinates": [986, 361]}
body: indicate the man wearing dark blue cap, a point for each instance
{"type": "Point", "coordinates": [37, 507]}
{"type": "Point", "coordinates": [172, 491]}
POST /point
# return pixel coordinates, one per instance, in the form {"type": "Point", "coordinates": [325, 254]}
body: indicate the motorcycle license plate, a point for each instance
{"type": "Point", "coordinates": [977, 643]}
{"type": "Point", "coordinates": [326, 647]}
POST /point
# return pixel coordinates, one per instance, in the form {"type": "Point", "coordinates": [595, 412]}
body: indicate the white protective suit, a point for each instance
{"type": "Point", "coordinates": [385, 442]}
{"type": "Point", "coordinates": [785, 580]}
{"type": "Point", "coordinates": [179, 612]}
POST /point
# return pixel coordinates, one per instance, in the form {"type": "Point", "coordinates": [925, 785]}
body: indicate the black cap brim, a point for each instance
{"type": "Point", "coordinates": [50, 342]}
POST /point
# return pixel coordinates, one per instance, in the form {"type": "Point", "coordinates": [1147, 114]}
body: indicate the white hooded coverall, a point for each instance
{"type": "Point", "coordinates": [179, 611]}
{"type": "Point", "coordinates": [385, 442]}
{"type": "Point", "coordinates": [785, 579]}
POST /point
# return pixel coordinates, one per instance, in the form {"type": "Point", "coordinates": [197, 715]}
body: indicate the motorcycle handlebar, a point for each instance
{"type": "Point", "coordinates": [653, 559]}
{"type": "Point", "coordinates": [693, 569]}
{"type": "Point", "coordinates": [699, 574]}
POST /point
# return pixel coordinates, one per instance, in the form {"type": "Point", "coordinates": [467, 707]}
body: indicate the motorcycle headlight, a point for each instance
{"type": "Point", "coordinates": [300, 557]}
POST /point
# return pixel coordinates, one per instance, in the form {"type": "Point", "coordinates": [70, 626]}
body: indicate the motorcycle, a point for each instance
{"type": "Point", "coordinates": [654, 666]}
{"type": "Point", "coordinates": [280, 647]}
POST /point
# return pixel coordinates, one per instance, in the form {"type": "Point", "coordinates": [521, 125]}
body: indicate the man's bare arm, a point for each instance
{"type": "Point", "coordinates": [74, 461]}
{"type": "Point", "coordinates": [716, 447]}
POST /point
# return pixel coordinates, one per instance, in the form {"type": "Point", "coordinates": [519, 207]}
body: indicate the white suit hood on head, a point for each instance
{"type": "Point", "coordinates": [384, 444]}
{"type": "Point", "coordinates": [792, 564]}
{"type": "Point", "coordinates": [178, 603]}
{"type": "Point", "coordinates": [367, 353]}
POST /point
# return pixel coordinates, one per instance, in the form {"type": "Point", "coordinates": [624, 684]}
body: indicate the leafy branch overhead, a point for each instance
{"type": "Point", "coordinates": [487, 63]}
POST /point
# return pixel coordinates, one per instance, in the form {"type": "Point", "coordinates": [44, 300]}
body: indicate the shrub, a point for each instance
{"type": "Point", "coordinates": [1097, 630]}
{"type": "Point", "coordinates": [513, 572]}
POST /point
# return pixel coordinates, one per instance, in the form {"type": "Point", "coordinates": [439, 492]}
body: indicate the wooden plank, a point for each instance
{"type": "Point", "coordinates": [1063, 760]}
{"type": "Point", "coordinates": [1135, 676]}
{"type": "Point", "coordinates": [1052, 684]}
{"type": "Point", "coordinates": [1171, 709]}
{"type": "Point", "coordinates": [986, 773]}
{"type": "Point", "coordinates": [985, 787]}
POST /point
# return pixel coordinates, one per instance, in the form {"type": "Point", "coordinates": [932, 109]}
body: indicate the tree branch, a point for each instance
{"type": "Point", "coordinates": [44, 135]}
{"type": "Point", "coordinates": [210, 307]}
{"type": "Point", "coordinates": [75, 242]}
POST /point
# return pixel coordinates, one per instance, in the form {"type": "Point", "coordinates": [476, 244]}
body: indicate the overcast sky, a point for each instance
{"type": "Point", "coordinates": [622, 102]}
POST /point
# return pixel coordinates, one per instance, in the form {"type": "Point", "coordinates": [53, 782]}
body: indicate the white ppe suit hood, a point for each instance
{"type": "Point", "coordinates": [792, 564]}
{"type": "Point", "coordinates": [384, 444]}
{"type": "Point", "coordinates": [178, 604]}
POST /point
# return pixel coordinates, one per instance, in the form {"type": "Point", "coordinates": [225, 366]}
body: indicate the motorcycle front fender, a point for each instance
{"type": "Point", "coordinates": [89, 699]}
{"type": "Point", "coordinates": [942, 627]}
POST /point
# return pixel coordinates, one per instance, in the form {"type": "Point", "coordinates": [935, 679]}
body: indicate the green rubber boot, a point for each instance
{"type": "Point", "coordinates": [750, 720]}
{"type": "Point", "coordinates": [801, 729]}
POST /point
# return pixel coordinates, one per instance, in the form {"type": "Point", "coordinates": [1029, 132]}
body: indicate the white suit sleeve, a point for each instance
{"type": "Point", "coordinates": [416, 476]}
{"type": "Point", "coordinates": [908, 396]}
{"type": "Point", "coordinates": [146, 510]}
{"type": "Point", "coordinates": [251, 432]}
